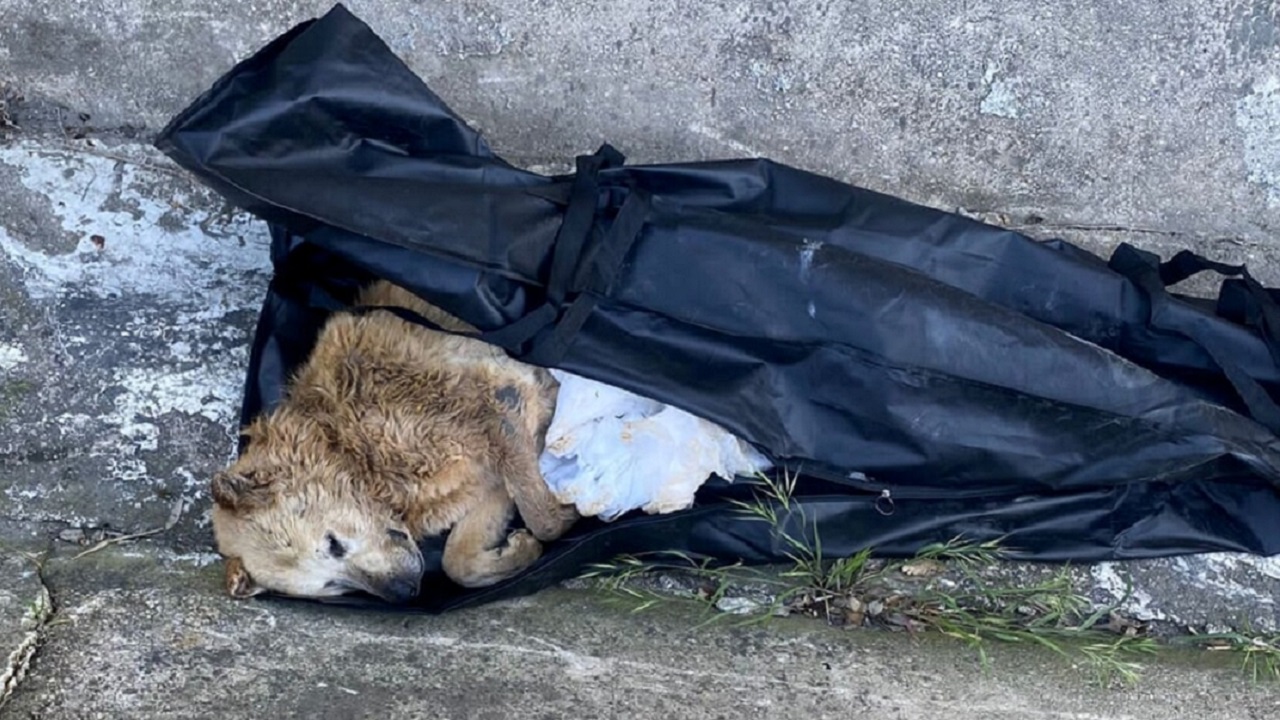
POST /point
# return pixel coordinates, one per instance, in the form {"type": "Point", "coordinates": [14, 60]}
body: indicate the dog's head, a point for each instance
{"type": "Point", "coordinates": [306, 532]}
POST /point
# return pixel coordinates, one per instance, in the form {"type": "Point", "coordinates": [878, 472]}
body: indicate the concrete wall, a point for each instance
{"type": "Point", "coordinates": [1154, 115]}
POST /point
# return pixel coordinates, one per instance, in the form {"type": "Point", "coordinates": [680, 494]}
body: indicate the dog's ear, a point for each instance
{"type": "Point", "coordinates": [238, 583]}
{"type": "Point", "coordinates": [239, 491]}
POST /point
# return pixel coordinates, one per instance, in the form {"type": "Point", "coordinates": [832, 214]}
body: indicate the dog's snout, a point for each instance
{"type": "Point", "coordinates": [399, 590]}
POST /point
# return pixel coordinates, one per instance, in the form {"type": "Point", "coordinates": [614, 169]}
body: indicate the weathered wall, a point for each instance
{"type": "Point", "coordinates": [1153, 114]}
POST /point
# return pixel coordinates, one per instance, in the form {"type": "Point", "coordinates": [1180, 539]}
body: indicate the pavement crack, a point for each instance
{"type": "Point", "coordinates": [1127, 229]}
{"type": "Point", "coordinates": [71, 147]}
{"type": "Point", "coordinates": [1101, 227]}
{"type": "Point", "coordinates": [28, 519]}
{"type": "Point", "coordinates": [1035, 223]}
{"type": "Point", "coordinates": [38, 617]}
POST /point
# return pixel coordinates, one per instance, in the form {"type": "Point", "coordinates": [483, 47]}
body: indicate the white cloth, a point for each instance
{"type": "Point", "coordinates": [609, 451]}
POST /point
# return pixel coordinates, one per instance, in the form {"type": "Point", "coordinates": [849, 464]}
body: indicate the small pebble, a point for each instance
{"type": "Point", "coordinates": [737, 605]}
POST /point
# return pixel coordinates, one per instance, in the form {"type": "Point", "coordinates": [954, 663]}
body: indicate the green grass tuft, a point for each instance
{"type": "Point", "coordinates": [954, 599]}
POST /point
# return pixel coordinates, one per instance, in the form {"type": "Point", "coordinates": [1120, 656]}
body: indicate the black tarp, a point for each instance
{"type": "Point", "coordinates": [992, 385]}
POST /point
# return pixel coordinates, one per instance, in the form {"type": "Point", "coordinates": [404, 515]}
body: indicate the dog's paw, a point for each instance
{"type": "Point", "coordinates": [523, 547]}
{"type": "Point", "coordinates": [553, 522]}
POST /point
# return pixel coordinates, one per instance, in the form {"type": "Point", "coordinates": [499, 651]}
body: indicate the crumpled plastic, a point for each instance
{"type": "Point", "coordinates": [610, 451]}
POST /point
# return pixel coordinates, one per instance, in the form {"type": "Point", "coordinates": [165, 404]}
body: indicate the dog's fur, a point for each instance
{"type": "Point", "coordinates": [389, 433]}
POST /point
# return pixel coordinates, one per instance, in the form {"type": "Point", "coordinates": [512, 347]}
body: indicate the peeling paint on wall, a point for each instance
{"type": "Point", "coordinates": [11, 356]}
{"type": "Point", "coordinates": [1258, 117]}
{"type": "Point", "coordinates": [1001, 99]}
{"type": "Point", "coordinates": [174, 263]}
{"type": "Point", "coordinates": [128, 245]}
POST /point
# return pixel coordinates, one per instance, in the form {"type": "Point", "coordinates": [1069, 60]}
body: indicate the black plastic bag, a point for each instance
{"type": "Point", "coordinates": [926, 375]}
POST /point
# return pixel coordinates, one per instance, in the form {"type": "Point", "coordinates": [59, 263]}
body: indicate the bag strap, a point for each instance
{"type": "Point", "coordinates": [1241, 299]}
{"type": "Point", "coordinates": [580, 272]}
{"type": "Point", "coordinates": [1153, 277]}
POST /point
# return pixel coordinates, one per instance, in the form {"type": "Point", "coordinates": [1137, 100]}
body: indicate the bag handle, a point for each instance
{"type": "Point", "coordinates": [579, 270]}
{"type": "Point", "coordinates": [1153, 277]}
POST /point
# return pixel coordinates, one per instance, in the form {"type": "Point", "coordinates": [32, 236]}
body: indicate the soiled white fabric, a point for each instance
{"type": "Point", "coordinates": [610, 451]}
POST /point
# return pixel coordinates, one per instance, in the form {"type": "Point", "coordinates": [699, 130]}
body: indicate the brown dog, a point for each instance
{"type": "Point", "coordinates": [389, 433]}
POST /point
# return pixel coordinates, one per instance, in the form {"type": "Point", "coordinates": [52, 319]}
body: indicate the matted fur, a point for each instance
{"type": "Point", "coordinates": [389, 433]}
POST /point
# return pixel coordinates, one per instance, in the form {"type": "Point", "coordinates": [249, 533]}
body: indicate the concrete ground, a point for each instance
{"type": "Point", "coordinates": [127, 293]}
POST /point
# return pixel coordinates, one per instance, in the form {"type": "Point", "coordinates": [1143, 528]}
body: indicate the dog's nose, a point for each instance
{"type": "Point", "coordinates": [400, 590]}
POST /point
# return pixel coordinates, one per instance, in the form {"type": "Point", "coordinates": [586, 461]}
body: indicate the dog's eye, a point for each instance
{"type": "Point", "coordinates": [397, 535]}
{"type": "Point", "coordinates": [336, 548]}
